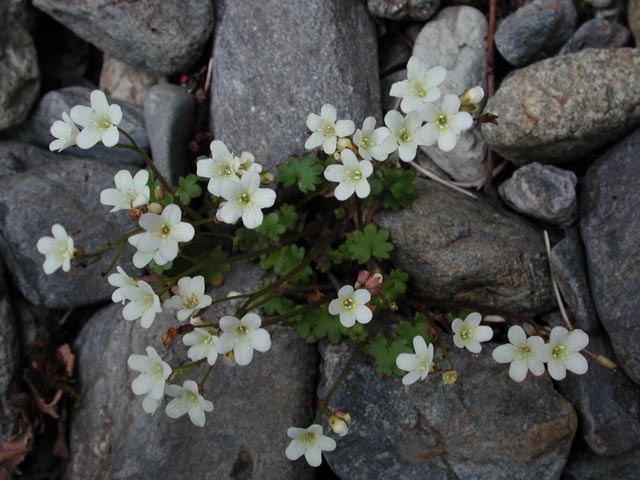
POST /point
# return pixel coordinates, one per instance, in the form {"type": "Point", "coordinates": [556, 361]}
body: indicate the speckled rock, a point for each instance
{"type": "Point", "coordinates": [257, 103]}
{"type": "Point", "coordinates": [588, 466]}
{"type": "Point", "coordinates": [597, 33]}
{"type": "Point", "coordinates": [544, 192]}
{"type": "Point", "coordinates": [484, 426]}
{"type": "Point", "coordinates": [461, 49]}
{"type": "Point", "coordinates": [465, 250]}
{"type": "Point", "coordinates": [418, 10]}
{"type": "Point", "coordinates": [244, 437]}
{"type": "Point", "coordinates": [536, 30]}
{"type": "Point", "coordinates": [610, 225]}
{"type": "Point", "coordinates": [124, 82]}
{"type": "Point", "coordinates": [162, 37]}
{"type": "Point", "coordinates": [17, 157]}
{"type": "Point", "coordinates": [9, 359]}
{"type": "Point", "coordinates": [65, 192]}
{"type": "Point", "coordinates": [559, 109]}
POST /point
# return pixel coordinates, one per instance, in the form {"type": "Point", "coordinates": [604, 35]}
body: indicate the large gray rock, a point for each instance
{"type": "Point", "coordinates": [484, 426]}
{"type": "Point", "coordinates": [19, 71]}
{"type": "Point", "coordinates": [36, 130]}
{"type": "Point", "coordinates": [588, 466]}
{"type": "Point", "coordinates": [65, 192]}
{"type": "Point", "coordinates": [124, 82]}
{"type": "Point", "coordinates": [610, 224]}
{"type": "Point", "coordinates": [536, 30]}
{"type": "Point", "coordinates": [597, 33]}
{"type": "Point", "coordinates": [404, 9]}
{"type": "Point", "coordinates": [568, 266]}
{"type": "Point", "coordinates": [9, 359]}
{"type": "Point", "coordinates": [244, 437]}
{"type": "Point", "coordinates": [544, 192]}
{"type": "Point", "coordinates": [275, 63]}
{"type": "Point", "coordinates": [607, 403]}
{"type": "Point", "coordinates": [461, 49]}
{"type": "Point", "coordinates": [163, 37]}
{"type": "Point", "coordinates": [557, 110]}
{"type": "Point", "coordinates": [465, 250]}
{"type": "Point", "coordinates": [170, 116]}
{"type": "Point", "coordinates": [17, 157]}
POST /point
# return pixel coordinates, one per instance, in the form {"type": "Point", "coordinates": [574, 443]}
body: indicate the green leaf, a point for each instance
{"type": "Point", "coordinates": [330, 257]}
{"type": "Point", "coordinates": [399, 188]}
{"type": "Point", "coordinates": [395, 284]}
{"type": "Point", "coordinates": [288, 216]}
{"type": "Point", "coordinates": [318, 324]}
{"type": "Point", "coordinates": [408, 330]}
{"type": "Point", "coordinates": [159, 269]}
{"type": "Point", "coordinates": [286, 259]}
{"type": "Point", "coordinates": [188, 188]}
{"type": "Point", "coordinates": [370, 242]}
{"type": "Point", "coordinates": [305, 171]}
{"type": "Point", "coordinates": [214, 274]}
{"type": "Point", "coordinates": [271, 228]}
{"type": "Point", "coordinates": [246, 240]}
{"type": "Point", "coordinates": [385, 354]}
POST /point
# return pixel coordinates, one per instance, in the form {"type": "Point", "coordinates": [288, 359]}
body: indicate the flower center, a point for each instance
{"type": "Point", "coordinates": [349, 303]}
{"type": "Point", "coordinates": [62, 250]}
{"type": "Point", "coordinates": [523, 351]}
{"type": "Point", "coordinates": [365, 142]}
{"type": "Point", "coordinates": [421, 91]}
{"type": "Point", "coordinates": [242, 331]}
{"type": "Point", "coordinates": [442, 121]}
{"type": "Point", "coordinates": [103, 121]}
{"type": "Point", "coordinates": [405, 135]}
{"type": "Point", "coordinates": [560, 352]}
{"type": "Point", "coordinates": [422, 363]}
{"type": "Point", "coordinates": [308, 438]}
{"type": "Point", "coordinates": [166, 230]}
{"type": "Point", "coordinates": [206, 339]}
{"type": "Point", "coordinates": [244, 198]}
{"type": "Point", "coordinates": [147, 300]}
{"type": "Point", "coordinates": [329, 130]}
{"type": "Point", "coordinates": [156, 370]}
{"type": "Point", "coordinates": [227, 171]}
{"type": "Point", "coordinates": [191, 302]}
{"type": "Point", "coordinates": [466, 333]}
{"type": "Point", "coordinates": [356, 175]}
{"type": "Point", "coordinates": [191, 398]}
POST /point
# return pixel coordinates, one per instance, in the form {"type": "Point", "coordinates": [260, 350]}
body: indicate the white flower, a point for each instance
{"type": "Point", "coordinates": [144, 303]}
{"type": "Point", "coordinates": [190, 299]}
{"type": "Point", "coordinates": [150, 404]}
{"type": "Point", "coordinates": [130, 192]}
{"type": "Point", "coordinates": [523, 353]}
{"type": "Point", "coordinates": [563, 348]}
{"type": "Point", "coordinates": [220, 167]}
{"type": "Point", "coordinates": [203, 345]}
{"type": "Point", "coordinates": [120, 280]}
{"type": "Point", "coordinates": [163, 232]}
{"type": "Point", "coordinates": [351, 176]}
{"type": "Point", "coordinates": [445, 123]}
{"type": "Point", "coordinates": [373, 142]}
{"type": "Point", "coordinates": [99, 121]}
{"type": "Point", "coordinates": [309, 442]}
{"type": "Point", "coordinates": [65, 132]}
{"type": "Point", "coordinates": [326, 129]}
{"type": "Point", "coordinates": [244, 199]}
{"type": "Point", "coordinates": [153, 374]}
{"type": "Point", "coordinates": [407, 133]}
{"type": "Point", "coordinates": [351, 306]}
{"type": "Point", "coordinates": [420, 87]}
{"type": "Point", "coordinates": [246, 163]}
{"type": "Point", "coordinates": [468, 333]}
{"type": "Point", "coordinates": [57, 250]}
{"type": "Point", "coordinates": [243, 337]}
{"type": "Point", "coordinates": [187, 400]}
{"type": "Point", "coordinates": [418, 364]}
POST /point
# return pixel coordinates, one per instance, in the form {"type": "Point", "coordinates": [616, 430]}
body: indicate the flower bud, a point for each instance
{"type": "Point", "coordinates": [606, 362]}
{"type": "Point", "coordinates": [370, 281]}
{"type": "Point", "coordinates": [470, 100]}
{"type": "Point", "coordinates": [155, 207]}
{"type": "Point", "coordinates": [449, 377]}
{"type": "Point", "coordinates": [158, 192]}
{"type": "Point", "coordinates": [266, 178]}
{"type": "Point", "coordinates": [135, 213]}
{"type": "Point", "coordinates": [338, 421]}
{"type": "Point", "coordinates": [393, 306]}
{"type": "Point", "coordinates": [344, 143]}
{"type": "Point", "coordinates": [494, 319]}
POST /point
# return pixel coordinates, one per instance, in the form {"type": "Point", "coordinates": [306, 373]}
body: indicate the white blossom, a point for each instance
{"type": "Point", "coordinates": [522, 353]}
{"type": "Point", "coordinates": [243, 337]}
{"type": "Point", "coordinates": [407, 133]}
{"type": "Point", "coordinates": [374, 143]}
{"type": "Point", "coordinates": [150, 404]}
{"type": "Point", "coordinates": [130, 192]}
{"type": "Point", "coordinates": [190, 298]}
{"type": "Point", "coordinates": [309, 442]}
{"type": "Point", "coordinates": [220, 167]}
{"type": "Point", "coordinates": [420, 87]}
{"type": "Point", "coordinates": [468, 333]}
{"type": "Point", "coordinates": [120, 280]}
{"type": "Point", "coordinates": [65, 132]}
{"type": "Point", "coordinates": [326, 129]}
{"type": "Point", "coordinates": [203, 345]}
{"type": "Point", "coordinates": [417, 364]}
{"type": "Point", "coordinates": [244, 199]}
{"type": "Point", "coordinates": [445, 123]}
{"type": "Point", "coordinates": [153, 375]}
{"type": "Point", "coordinates": [187, 399]}
{"type": "Point", "coordinates": [99, 121]}
{"type": "Point", "coordinates": [246, 162]}
{"type": "Point", "coordinates": [351, 306]}
{"type": "Point", "coordinates": [57, 250]}
{"type": "Point", "coordinates": [143, 303]}
{"type": "Point", "coordinates": [562, 349]}
{"type": "Point", "coordinates": [351, 176]}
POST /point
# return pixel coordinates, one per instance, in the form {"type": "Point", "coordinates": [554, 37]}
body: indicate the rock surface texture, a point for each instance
{"type": "Point", "coordinates": [597, 33]}
{"type": "Point", "coordinates": [464, 250]}
{"type": "Point", "coordinates": [484, 426]}
{"type": "Point", "coordinates": [123, 82]}
{"type": "Point", "coordinates": [257, 104]}
{"type": "Point", "coordinates": [610, 225]}
{"type": "Point", "coordinates": [418, 10]}
{"type": "Point", "coordinates": [162, 37]}
{"type": "Point", "coordinates": [592, 467]}
{"type": "Point", "coordinates": [8, 359]}
{"type": "Point", "coordinates": [559, 109]}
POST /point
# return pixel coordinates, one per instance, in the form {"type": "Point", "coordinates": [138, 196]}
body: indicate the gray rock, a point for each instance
{"type": "Point", "coordinates": [50, 108]}
{"type": "Point", "coordinates": [170, 115]}
{"type": "Point", "coordinates": [163, 37]}
{"type": "Point", "coordinates": [124, 82]}
{"type": "Point", "coordinates": [597, 33]}
{"type": "Point", "coordinates": [65, 192]}
{"type": "Point", "coordinates": [9, 163]}
{"type": "Point", "coordinates": [244, 437]}
{"type": "Point", "coordinates": [544, 192]}
{"type": "Point", "coordinates": [389, 102]}
{"type": "Point", "coordinates": [610, 225]}
{"type": "Point", "coordinates": [536, 30]}
{"type": "Point", "coordinates": [569, 269]}
{"type": "Point", "coordinates": [275, 64]}
{"type": "Point", "coordinates": [633, 17]}
{"type": "Point", "coordinates": [394, 55]}
{"type": "Point", "coordinates": [9, 360]}
{"type": "Point", "coordinates": [461, 49]}
{"type": "Point", "coordinates": [588, 466]}
{"type": "Point", "coordinates": [607, 403]}
{"type": "Point", "coordinates": [466, 251]}
{"type": "Point", "coordinates": [557, 110]}
{"type": "Point", "coordinates": [484, 426]}
{"type": "Point", "coordinates": [18, 157]}
{"type": "Point", "coordinates": [404, 9]}
{"type": "Point", "coordinates": [19, 71]}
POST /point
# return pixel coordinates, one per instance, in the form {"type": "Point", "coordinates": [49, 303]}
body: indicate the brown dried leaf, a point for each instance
{"type": "Point", "coordinates": [67, 358]}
